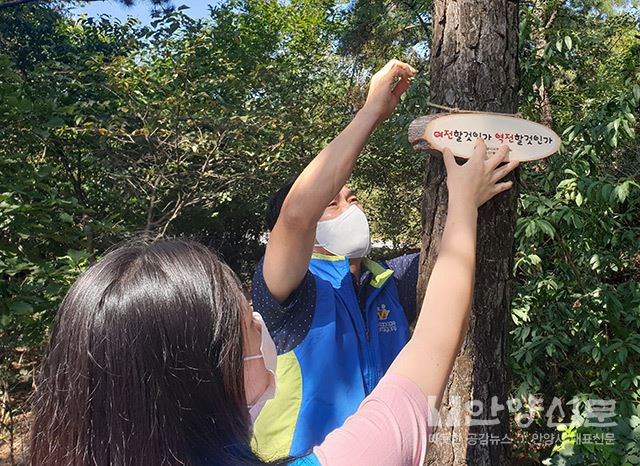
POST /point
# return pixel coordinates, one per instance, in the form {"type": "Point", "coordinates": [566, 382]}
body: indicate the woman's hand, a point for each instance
{"type": "Point", "coordinates": [386, 87]}
{"type": "Point", "coordinates": [477, 181]}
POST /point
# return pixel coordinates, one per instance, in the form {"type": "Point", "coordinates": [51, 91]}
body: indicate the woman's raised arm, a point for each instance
{"type": "Point", "coordinates": [428, 357]}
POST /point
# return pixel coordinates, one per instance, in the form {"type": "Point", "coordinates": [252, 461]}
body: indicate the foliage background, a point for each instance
{"type": "Point", "coordinates": [112, 130]}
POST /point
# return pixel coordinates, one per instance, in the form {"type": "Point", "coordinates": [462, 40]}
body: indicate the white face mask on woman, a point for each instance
{"type": "Point", "coordinates": [346, 235]}
{"type": "Point", "coordinates": [269, 355]}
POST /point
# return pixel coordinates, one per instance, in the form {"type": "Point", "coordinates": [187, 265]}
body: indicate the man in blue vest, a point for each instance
{"type": "Point", "coordinates": [338, 319]}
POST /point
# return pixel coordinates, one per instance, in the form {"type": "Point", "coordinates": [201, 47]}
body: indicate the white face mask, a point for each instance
{"type": "Point", "coordinates": [346, 235]}
{"type": "Point", "coordinates": [269, 355]}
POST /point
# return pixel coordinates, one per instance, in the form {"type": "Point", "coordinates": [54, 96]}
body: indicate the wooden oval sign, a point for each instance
{"type": "Point", "coordinates": [458, 131]}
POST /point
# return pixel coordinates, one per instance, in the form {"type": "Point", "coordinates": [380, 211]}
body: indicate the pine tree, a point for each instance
{"type": "Point", "coordinates": [474, 66]}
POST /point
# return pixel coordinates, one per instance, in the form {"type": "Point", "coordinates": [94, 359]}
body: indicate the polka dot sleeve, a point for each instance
{"type": "Point", "coordinates": [289, 322]}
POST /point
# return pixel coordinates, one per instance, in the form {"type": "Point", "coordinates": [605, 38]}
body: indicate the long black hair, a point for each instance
{"type": "Point", "coordinates": [145, 364]}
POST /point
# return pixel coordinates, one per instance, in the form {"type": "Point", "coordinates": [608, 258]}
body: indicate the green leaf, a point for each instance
{"type": "Point", "coordinates": [568, 42]}
{"type": "Point", "coordinates": [577, 221]}
{"type": "Point", "coordinates": [634, 347]}
{"type": "Point", "coordinates": [546, 227]}
{"type": "Point", "coordinates": [55, 122]}
{"type": "Point", "coordinates": [43, 133]}
{"type": "Point", "coordinates": [531, 229]}
{"type": "Point", "coordinates": [21, 308]}
{"type": "Point", "coordinates": [45, 171]}
{"type": "Point", "coordinates": [65, 217]}
{"type": "Point", "coordinates": [622, 191]}
{"type": "Point", "coordinates": [622, 355]}
{"type": "Point", "coordinates": [173, 28]}
{"type": "Point", "coordinates": [550, 349]}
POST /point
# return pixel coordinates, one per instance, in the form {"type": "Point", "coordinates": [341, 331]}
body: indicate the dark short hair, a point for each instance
{"type": "Point", "coordinates": [275, 203]}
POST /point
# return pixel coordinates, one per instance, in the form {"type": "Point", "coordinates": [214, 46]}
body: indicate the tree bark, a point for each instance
{"type": "Point", "coordinates": [474, 66]}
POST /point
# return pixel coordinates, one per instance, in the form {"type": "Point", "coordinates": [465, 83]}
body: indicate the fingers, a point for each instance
{"type": "Point", "coordinates": [503, 171]}
{"type": "Point", "coordinates": [449, 160]}
{"type": "Point", "coordinates": [499, 156]}
{"type": "Point", "coordinates": [394, 69]}
{"type": "Point", "coordinates": [397, 64]}
{"type": "Point", "coordinates": [390, 64]}
{"type": "Point", "coordinates": [479, 151]}
{"type": "Point", "coordinates": [386, 69]}
{"type": "Point", "coordinates": [495, 190]}
{"type": "Point", "coordinates": [501, 187]}
{"type": "Point", "coordinates": [401, 87]}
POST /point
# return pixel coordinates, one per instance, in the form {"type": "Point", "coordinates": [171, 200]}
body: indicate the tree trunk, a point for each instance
{"type": "Point", "coordinates": [474, 67]}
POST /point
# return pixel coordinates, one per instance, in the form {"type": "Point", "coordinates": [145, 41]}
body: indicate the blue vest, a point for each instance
{"type": "Point", "coordinates": [323, 380]}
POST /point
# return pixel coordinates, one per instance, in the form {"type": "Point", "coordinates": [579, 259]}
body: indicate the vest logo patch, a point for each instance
{"type": "Point", "coordinates": [383, 312]}
{"type": "Point", "coordinates": [384, 325]}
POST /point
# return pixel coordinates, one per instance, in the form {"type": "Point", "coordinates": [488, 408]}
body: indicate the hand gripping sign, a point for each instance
{"type": "Point", "coordinates": [527, 140]}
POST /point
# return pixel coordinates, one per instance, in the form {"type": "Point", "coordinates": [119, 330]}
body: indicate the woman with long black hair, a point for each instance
{"type": "Point", "coordinates": [157, 359]}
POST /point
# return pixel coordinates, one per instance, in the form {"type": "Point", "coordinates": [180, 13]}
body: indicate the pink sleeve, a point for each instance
{"type": "Point", "coordinates": [390, 428]}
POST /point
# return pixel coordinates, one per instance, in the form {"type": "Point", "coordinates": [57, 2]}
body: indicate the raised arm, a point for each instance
{"type": "Point", "coordinates": [429, 356]}
{"type": "Point", "coordinates": [291, 242]}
